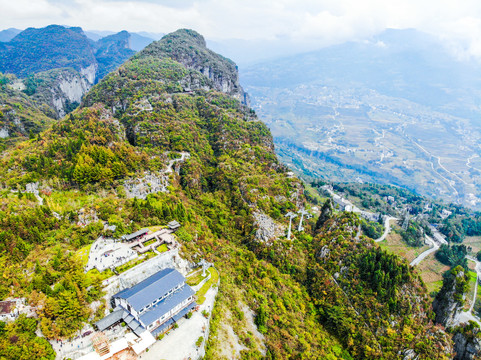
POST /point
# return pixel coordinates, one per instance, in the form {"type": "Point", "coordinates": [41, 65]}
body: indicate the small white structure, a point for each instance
{"type": "Point", "coordinates": [302, 212]}
{"type": "Point", "coordinates": [291, 216]}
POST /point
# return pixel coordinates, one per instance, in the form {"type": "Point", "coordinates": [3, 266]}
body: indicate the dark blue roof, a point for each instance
{"type": "Point", "coordinates": [166, 305]}
{"type": "Point", "coordinates": [183, 312]}
{"type": "Point", "coordinates": [110, 319]}
{"type": "Point", "coordinates": [135, 234]}
{"type": "Point", "coordinates": [152, 288]}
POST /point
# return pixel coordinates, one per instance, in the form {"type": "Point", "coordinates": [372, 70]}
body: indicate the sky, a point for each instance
{"type": "Point", "coordinates": [297, 24]}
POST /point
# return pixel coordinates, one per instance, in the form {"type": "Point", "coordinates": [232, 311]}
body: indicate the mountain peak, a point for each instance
{"type": "Point", "coordinates": [186, 35]}
{"type": "Point", "coordinates": [188, 48]}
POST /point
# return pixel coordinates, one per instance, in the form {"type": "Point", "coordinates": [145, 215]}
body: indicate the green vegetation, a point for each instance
{"type": "Point", "coordinates": [162, 248]}
{"type": "Point", "coordinates": [18, 341]}
{"type": "Point", "coordinates": [214, 279]}
{"type": "Point", "coordinates": [372, 229]}
{"type": "Point", "coordinates": [321, 295]}
{"type": "Point", "coordinates": [413, 235]}
{"type": "Point", "coordinates": [453, 255]}
{"type": "Point", "coordinates": [20, 115]}
{"type": "Point", "coordinates": [456, 283]}
{"type": "Point", "coordinates": [196, 278]}
{"type": "Point", "coordinates": [135, 262]}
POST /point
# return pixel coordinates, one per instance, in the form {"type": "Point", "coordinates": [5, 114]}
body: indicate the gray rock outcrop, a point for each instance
{"type": "Point", "coordinates": [467, 346]}
{"type": "Point", "coordinates": [267, 229]}
{"type": "Point", "coordinates": [189, 48]}
{"type": "Point", "coordinates": [449, 302]}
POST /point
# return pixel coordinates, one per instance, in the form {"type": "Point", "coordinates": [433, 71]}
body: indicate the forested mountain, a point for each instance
{"type": "Point", "coordinates": [327, 293]}
{"type": "Point", "coordinates": [35, 50]}
{"type": "Point", "coordinates": [20, 115]}
{"type": "Point", "coordinates": [9, 34]}
{"type": "Point", "coordinates": [53, 47]}
{"type": "Point", "coordinates": [111, 51]}
{"type": "Point", "coordinates": [54, 67]}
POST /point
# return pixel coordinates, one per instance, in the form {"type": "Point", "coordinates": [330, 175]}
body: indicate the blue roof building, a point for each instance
{"type": "Point", "coordinates": [151, 304]}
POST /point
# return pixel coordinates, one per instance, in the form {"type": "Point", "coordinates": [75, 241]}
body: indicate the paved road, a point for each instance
{"type": "Point", "coordinates": [434, 247]}
{"type": "Point", "coordinates": [436, 241]}
{"type": "Point", "coordinates": [437, 235]}
{"type": "Point", "coordinates": [387, 227]}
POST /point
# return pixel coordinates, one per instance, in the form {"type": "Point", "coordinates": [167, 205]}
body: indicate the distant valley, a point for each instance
{"type": "Point", "coordinates": [379, 111]}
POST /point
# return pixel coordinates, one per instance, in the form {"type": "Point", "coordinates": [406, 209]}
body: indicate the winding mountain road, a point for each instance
{"type": "Point", "coordinates": [387, 227]}
{"type": "Point", "coordinates": [434, 247]}
{"type": "Point", "coordinates": [435, 241]}
{"type": "Point", "coordinates": [183, 156]}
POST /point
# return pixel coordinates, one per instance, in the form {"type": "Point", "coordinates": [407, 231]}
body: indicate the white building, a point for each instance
{"type": "Point", "coordinates": [153, 304]}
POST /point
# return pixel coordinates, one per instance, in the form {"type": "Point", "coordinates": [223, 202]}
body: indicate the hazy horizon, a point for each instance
{"type": "Point", "coordinates": [287, 26]}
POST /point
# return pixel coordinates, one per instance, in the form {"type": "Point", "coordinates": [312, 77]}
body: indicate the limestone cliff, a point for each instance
{"type": "Point", "coordinates": [467, 342]}
{"type": "Point", "coordinates": [449, 302]}
{"type": "Point", "coordinates": [61, 89]}
{"type": "Point", "coordinates": [189, 48]}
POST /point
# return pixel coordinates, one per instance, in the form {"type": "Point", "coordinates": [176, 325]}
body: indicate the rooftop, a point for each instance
{"type": "Point", "coordinates": [166, 305]}
{"type": "Point", "coordinates": [135, 234]}
{"type": "Point", "coordinates": [150, 289]}
{"type": "Point", "coordinates": [173, 224]}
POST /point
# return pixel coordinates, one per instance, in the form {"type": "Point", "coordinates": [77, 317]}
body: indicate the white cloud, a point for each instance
{"type": "Point", "coordinates": [313, 22]}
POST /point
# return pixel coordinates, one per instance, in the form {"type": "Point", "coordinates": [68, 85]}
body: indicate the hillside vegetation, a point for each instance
{"type": "Point", "coordinates": [328, 293]}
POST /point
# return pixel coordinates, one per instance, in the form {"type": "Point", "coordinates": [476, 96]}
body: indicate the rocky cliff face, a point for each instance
{"type": "Point", "coordinates": [189, 48]}
{"type": "Point", "coordinates": [61, 89]}
{"type": "Point", "coordinates": [68, 92]}
{"type": "Point", "coordinates": [90, 73]}
{"type": "Point", "coordinates": [449, 302]}
{"type": "Point", "coordinates": [20, 115]}
{"type": "Point", "coordinates": [467, 345]}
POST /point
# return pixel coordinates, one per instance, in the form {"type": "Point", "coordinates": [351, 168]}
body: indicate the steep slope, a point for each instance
{"type": "Point", "coordinates": [111, 51]}
{"type": "Point", "coordinates": [193, 54]}
{"type": "Point", "coordinates": [20, 115]}
{"type": "Point", "coordinates": [59, 65]}
{"type": "Point", "coordinates": [61, 89]}
{"type": "Point", "coordinates": [177, 96]}
{"type": "Point", "coordinates": [52, 47]}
